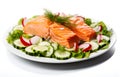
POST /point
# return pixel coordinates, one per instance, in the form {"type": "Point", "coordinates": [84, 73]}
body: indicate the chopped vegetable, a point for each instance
{"type": "Point", "coordinates": [99, 38]}
{"type": "Point", "coordinates": [55, 45]}
{"type": "Point", "coordinates": [14, 35]}
{"type": "Point", "coordinates": [62, 55]}
{"type": "Point", "coordinates": [29, 50]}
{"type": "Point", "coordinates": [34, 45]}
{"type": "Point", "coordinates": [20, 21]}
{"type": "Point", "coordinates": [98, 28]}
{"type": "Point", "coordinates": [76, 47]}
{"type": "Point", "coordinates": [78, 54]}
{"type": "Point", "coordinates": [64, 20]}
{"type": "Point", "coordinates": [62, 48]}
{"type": "Point", "coordinates": [18, 27]}
{"type": "Point", "coordinates": [94, 24]}
{"type": "Point", "coordinates": [28, 36]}
{"type": "Point", "coordinates": [24, 20]}
{"type": "Point", "coordinates": [35, 39]}
{"type": "Point", "coordinates": [49, 52]}
{"type": "Point", "coordinates": [17, 44]}
{"type": "Point", "coordinates": [95, 45]}
{"type": "Point", "coordinates": [41, 50]}
{"type": "Point", "coordinates": [87, 54]}
{"type": "Point", "coordinates": [25, 42]}
{"type": "Point", "coordinates": [44, 43]}
{"type": "Point", "coordinates": [88, 21]}
{"type": "Point", "coordinates": [85, 47]}
{"type": "Point", "coordinates": [105, 47]}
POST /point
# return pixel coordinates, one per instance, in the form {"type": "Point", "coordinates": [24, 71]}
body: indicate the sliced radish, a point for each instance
{"type": "Point", "coordinates": [35, 40]}
{"type": "Point", "coordinates": [98, 28]}
{"type": "Point", "coordinates": [85, 47]}
{"type": "Point", "coordinates": [25, 42]}
{"type": "Point", "coordinates": [99, 38]}
{"type": "Point", "coordinates": [76, 46]}
{"type": "Point", "coordinates": [24, 21]}
{"type": "Point", "coordinates": [58, 14]}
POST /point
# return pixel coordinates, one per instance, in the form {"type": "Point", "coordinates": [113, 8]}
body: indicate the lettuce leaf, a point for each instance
{"type": "Point", "coordinates": [14, 35]}
{"type": "Point", "coordinates": [20, 21]}
{"type": "Point", "coordinates": [88, 21]}
{"type": "Point", "coordinates": [105, 31]}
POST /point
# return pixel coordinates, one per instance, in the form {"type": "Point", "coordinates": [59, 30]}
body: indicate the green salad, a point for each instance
{"type": "Point", "coordinates": [40, 47]}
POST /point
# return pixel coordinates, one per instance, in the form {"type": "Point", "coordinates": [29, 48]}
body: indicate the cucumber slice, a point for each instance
{"type": "Point", "coordinates": [105, 38]}
{"type": "Point", "coordinates": [105, 47]}
{"type": "Point", "coordinates": [101, 44]}
{"type": "Point", "coordinates": [36, 40]}
{"type": "Point", "coordinates": [44, 43]}
{"type": "Point", "coordinates": [62, 55]}
{"type": "Point", "coordinates": [55, 45]}
{"type": "Point", "coordinates": [42, 50]}
{"type": "Point", "coordinates": [17, 44]}
{"type": "Point", "coordinates": [94, 44]}
{"type": "Point", "coordinates": [49, 52]}
{"type": "Point", "coordinates": [40, 40]}
{"type": "Point", "coordinates": [29, 50]}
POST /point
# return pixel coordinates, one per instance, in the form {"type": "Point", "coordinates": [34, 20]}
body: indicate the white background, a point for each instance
{"type": "Point", "coordinates": [107, 65]}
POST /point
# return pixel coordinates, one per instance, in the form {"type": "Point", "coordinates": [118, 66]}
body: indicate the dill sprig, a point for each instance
{"type": "Point", "coordinates": [64, 20]}
{"type": "Point", "coordinates": [49, 15]}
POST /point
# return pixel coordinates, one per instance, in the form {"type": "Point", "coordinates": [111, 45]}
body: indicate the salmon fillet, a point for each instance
{"type": "Point", "coordinates": [82, 30]}
{"type": "Point", "coordinates": [85, 33]}
{"type": "Point", "coordinates": [38, 26]}
{"type": "Point", "coordinates": [44, 28]}
{"type": "Point", "coordinates": [63, 35]}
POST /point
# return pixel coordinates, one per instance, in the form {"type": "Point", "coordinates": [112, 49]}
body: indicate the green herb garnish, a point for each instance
{"type": "Point", "coordinates": [64, 20]}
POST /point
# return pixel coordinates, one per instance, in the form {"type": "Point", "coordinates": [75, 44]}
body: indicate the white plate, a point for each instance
{"type": "Point", "coordinates": [53, 60]}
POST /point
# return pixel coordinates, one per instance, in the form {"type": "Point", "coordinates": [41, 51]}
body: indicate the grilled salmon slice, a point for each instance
{"type": "Point", "coordinates": [43, 27]}
{"type": "Point", "coordinates": [63, 35]}
{"type": "Point", "coordinates": [82, 30]}
{"type": "Point", "coordinates": [38, 26]}
{"type": "Point", "coordinates": [85, 33]}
